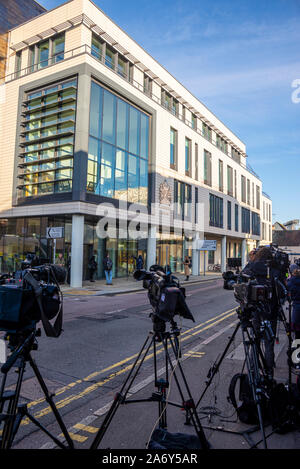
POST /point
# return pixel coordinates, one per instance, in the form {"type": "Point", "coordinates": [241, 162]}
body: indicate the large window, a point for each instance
{"type": "Point", "coordinates": [97, 47]}
{"type": "Point", "coordinates": [196, 162]}
{"type": "Point", "coordinates": [206, 131]}
{"type": "Point", "coordinates": [243, 186]}
{"type": "Point", "coordinates": [221, 143]}
{"type": "Point", "coordinates": [221, 176]}
{"type": "Point", "coordinates": [229, 181]}
{"type": "Point", "coordinates": [47, 140]}
{"type": "Point", "coordinates": [235, 155]}
{"type": "Point", "coordinates": [215, 211]}
{"type": "Point", "coordinates": [173, 148]}
{"type": "Point", "coordinates": [188, 157]}
{"type": "Point", "coordinates": [236, 217]}
{"type": "Point", "coordinates": [258, 197]}
{"type": "Point", "coordinates": [47, 52]}
{"type": "Point", "coordinates": [182, 199]}
{"type": "Point", "coordinates": [207, 168]}
{"type": "Point", "coordinates": [248, 192]}
{"type": "Point", "coordinates": [256, 224]}
{"type": "Point", "coordinates": [229, 215]}
{"type": "Point", "coordinates": [246, 228]}
{"type": "Point", "coordinates": [118, 148]}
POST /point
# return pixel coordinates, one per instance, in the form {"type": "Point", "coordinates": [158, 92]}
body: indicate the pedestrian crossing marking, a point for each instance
{"type": "Point", "coordinates": [86, 428]}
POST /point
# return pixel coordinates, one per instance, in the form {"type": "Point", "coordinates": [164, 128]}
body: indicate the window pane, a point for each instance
{"type": "Point", "coordinates": [133, 179]}
{"type": "Point", "coordinates": [59, 48]}
{"type": "Point", "coordinates": [96, 48]}
{"type": "Point", "coordinates": [64, 174]}
{"type": "Point", "coordinates": [43, 54]}
{"type": "Point", "coordinates": [143, 182]}
{"type": "Point", "coordinates": [110, 57]}
{"type": "Point", "coordinates": [107, 181]}
{"type": "Point", "coordinates": [122, 64]}
{"type": "Point", "coordinates": [65, 150]}
{"type": "Point", "coordinates": [122, 124]}
{"type": "Point", "coordinates": [134, 124]}
{"type": "Point", "coordinates": [107, 154]}
{"type": "Point", "coordinates": [109, 117]}
{"type": "Point", "coordinates": [144, 136]}
{"type": "Point", "coordinates": [121, 176]}
{"type": "Point", "coordinates": [172, 147]}
{"type": "Point", "coordinates": [93, 149]}
{"type": "Point", "coordinates": [96, 110]}
{"type": "Point", "coordinates": [63, 186]}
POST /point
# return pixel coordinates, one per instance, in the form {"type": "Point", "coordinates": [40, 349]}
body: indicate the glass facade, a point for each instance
{"type": "Point", "coordinates": [171, 250]}
{"type": "Point", "coordinates": [20, 236]}
{"type": "Point", "coordinates": [47, 140]}
{"type": "Point", "coordinates": [118, 148]}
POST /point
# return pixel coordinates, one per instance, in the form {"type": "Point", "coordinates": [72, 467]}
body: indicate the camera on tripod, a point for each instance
{"type": "Point", "coordinates": [230, 277]}
{"type": "Point", "coordinates": [31, 295]}
{"type": "Point", "coordinates": [249, 293]}
{"type": "Point", "coordinates": [279, 259]}
{"type": "Point", "coordinates": [165, 294]}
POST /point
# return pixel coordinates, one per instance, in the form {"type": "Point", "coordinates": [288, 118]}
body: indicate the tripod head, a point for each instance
{"type": "Point", "coordinates": [21, 344]}
{"type": "Point", "coordinates": [160, 330]}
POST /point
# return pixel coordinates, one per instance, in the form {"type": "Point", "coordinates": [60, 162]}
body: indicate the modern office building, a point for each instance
{"type": "Point", "coordinates": [89, 117]}
{"type": "Point", "coordinates": [12, 13]}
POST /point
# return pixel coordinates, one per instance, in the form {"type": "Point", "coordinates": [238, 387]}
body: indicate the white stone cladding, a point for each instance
{"type": "Point", "coordinates": [77, 52]}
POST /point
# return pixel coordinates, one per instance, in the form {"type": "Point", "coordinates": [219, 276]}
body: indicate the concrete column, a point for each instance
{"type": "Point", "coordinates": [223, 254]}
{"type": "Point", "coordinates": [151, 247]}
{"type": "Point", "coordinates": [77, 250]}
{"type": "Point", "coordinates": [244, 252]}
{"type": "Point", "coordinates": [80, 160]}
{"type": "Point", "coordinates": [195, 257]}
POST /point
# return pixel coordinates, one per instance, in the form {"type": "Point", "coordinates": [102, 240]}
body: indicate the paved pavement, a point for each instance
{"type": "Point", "coordinates": [129, 284]}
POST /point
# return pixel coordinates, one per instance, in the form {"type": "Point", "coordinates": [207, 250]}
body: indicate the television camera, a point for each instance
{"type": "Point", "coordinates": [230, 277]}
{"type": "Point", "coordinates": [30, 295]}
{"type": "Point", "coordinates": [165, 294]}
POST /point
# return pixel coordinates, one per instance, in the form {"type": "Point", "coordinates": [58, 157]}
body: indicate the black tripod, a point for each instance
{"type": "Point", "coordinates": [167, 339]}
{"type": "Point", "coordinates": [256, 366]}
{"type": "Point", "coordinates": [11, 412]}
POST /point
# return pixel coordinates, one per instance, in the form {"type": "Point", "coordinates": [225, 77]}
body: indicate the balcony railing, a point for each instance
{"type": "Point", "coordinates": [86, 49]}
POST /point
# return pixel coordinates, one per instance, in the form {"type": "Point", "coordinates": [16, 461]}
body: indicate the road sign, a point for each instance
{"type": "Point", "coordinates": [55, 232]}
{"type": "Point", "coordinates": [206, 245]}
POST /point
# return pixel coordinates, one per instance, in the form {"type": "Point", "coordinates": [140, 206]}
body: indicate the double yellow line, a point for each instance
{"type": "Point", "coordinates": [192, 332]}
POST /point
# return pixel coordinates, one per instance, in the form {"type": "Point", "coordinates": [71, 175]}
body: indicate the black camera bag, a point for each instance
{"type": "Point", "coordinates": [247, 410]}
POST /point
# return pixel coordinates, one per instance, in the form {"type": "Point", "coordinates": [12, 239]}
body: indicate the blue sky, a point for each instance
{"type": "Point", "coordinates": [240, 58]}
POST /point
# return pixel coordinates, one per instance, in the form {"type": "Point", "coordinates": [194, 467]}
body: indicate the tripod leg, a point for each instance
{"type": "Point", "coordinates": [190, 405]}
{"type": "Point", "coordinates": [120, 397]}
{"type": "Point", "coordinates": [254, 378]}
{"type": "Point", "coordinates": [9, 430]}
{"type": "Point", "coordinates": [50, 402]}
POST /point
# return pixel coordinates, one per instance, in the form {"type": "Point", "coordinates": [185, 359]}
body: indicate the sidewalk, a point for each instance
{"type": "Point", "coordinates": [127, 285]}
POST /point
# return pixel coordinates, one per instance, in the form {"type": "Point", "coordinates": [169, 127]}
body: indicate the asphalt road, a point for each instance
{"type": "Point", "coordinates": [87, 365]}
